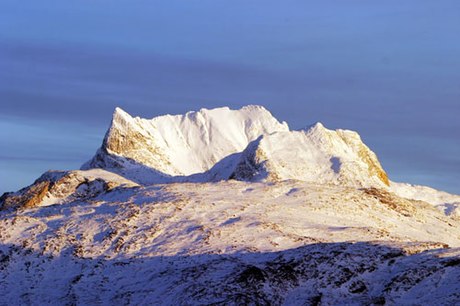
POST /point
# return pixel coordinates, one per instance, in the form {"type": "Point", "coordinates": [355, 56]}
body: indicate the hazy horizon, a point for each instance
{"type": "Point", "coordinates": [388, 70]}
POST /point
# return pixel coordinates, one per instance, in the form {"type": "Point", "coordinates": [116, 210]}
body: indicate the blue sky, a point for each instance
{"type": "Point", "coordinates": [388, 69]}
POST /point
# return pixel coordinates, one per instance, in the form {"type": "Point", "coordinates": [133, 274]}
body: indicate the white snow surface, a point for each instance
{"type": "Point", "coordinates": [449, 203]}
{"type": "Point", "coordinates": [187, 144]}
{"type": "Point", "coordinates": [312, 155]}
{"type": "Point", "coordinates": [307, 219]}
{"type": "Point", "coordinates": [247, 144]}
{"type": "Point", "coordinates": [212, 145]}
{"type": "Point", "coordinates": [230, 242]}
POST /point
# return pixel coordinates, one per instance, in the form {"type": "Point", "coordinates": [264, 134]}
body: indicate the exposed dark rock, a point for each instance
{"type": "Point", "coordinates": [252, 276]}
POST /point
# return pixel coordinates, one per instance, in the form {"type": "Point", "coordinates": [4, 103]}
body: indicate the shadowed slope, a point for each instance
{"type": "Point", "coordinates": [325, 273]}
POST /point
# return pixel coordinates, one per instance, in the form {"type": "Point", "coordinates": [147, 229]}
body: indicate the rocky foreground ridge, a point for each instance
{"type": "Point", "coordinates": [228, 207]}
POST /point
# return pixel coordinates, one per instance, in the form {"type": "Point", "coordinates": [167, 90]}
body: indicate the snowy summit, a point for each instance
{"type": "Point", "coordinates": [228, 207]}
{"type": "Point", "coordinates": [246, 144]}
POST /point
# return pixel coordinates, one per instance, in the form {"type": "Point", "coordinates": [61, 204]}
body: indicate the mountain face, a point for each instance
{"type": "Point", "coordinates": [168, 147]}
{"type": "Point", "coordinates": [246, 144]}
{"type": "Point", "coordinates": [312, 155]}
{"type": "Point", "coordinates": [228, 207]}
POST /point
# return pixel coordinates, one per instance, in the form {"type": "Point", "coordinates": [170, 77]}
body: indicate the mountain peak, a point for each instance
{"type": "Point", "coordinates": [247, 144]}
{"type": "Point", "coordinates": [171, 146]}
{"type": "Point", "coordinates": [316, 154]}
{"type": "Point", "coordinates": [119, 111]}
{"type": "Point", "coordinates": [119, 115]}
{"type": "Point", "coordinates": [253, 107]}
{"type": "Point", "coordinates": [317, 126]}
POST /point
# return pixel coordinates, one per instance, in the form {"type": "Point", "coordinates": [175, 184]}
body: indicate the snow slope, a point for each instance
{"type": "Point", "coordinates": [230, 243]}
{"type": "Point", "coordinates": [252, 213]}
{"type": "Point", "coordinates": [449, 203]}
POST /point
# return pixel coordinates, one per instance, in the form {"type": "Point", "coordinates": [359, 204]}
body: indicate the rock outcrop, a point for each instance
{"type": "Point", "coordinates": [55, 187]}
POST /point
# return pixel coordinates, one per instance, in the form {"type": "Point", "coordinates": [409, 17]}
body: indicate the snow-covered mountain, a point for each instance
{"type": "Point", "coordinates": [230, 243]}
{"type": "Point", "coordinates": [228, 207]}
{"type": "Point", "coordinates": [312, 155]}
{"type": "Point", "coordinates": [168, 148]}
{"type": "Point", "coordinates": [246, 144]}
